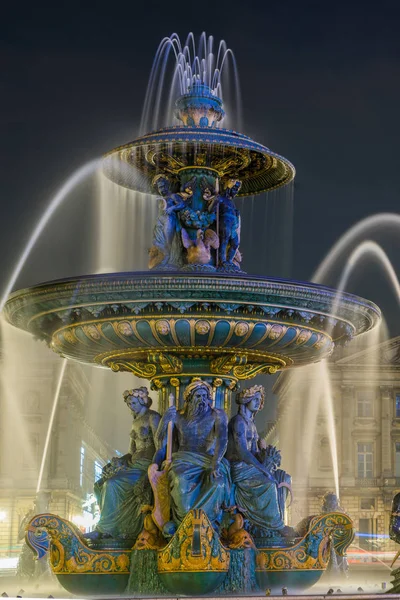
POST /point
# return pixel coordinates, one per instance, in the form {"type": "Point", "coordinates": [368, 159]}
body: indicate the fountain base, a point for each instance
{"type": "Point", "coordinates": [196, 561]}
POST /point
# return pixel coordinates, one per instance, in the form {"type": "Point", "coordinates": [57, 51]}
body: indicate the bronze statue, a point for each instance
{"type": "Point", "coordinates": [260, 487]}
{"type": "Point", "coordinates": [124, 486]}
{"type": "Point", "coordinates": [167, 249]}
{"type": "Point", "coordinates": [199, 475]}
{"type": "Point", "coordinates": [229, 226]}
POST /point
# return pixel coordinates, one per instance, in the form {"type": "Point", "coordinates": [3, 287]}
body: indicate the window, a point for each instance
{"type": "Point", "coordinates": [397, 406]}
{"type": "Point", "coordinates": [82, 464]}
{"type": "Point", "coordinates": [30, 452]}
{"type": "Point", "coordinates": [325, 459]}
{"type": "Point", "coordinates": [365, 403]}
{"type": "Point", "coordinates": [367, 503]}
{"type": "Point", "coordinates": [367, 529]}
{"type": "Point", "coordinates": [397, 460]}
{"type": "Point", "coordinates": [98, 467]}
{"type": "Point", "coordinates": [364, 460]}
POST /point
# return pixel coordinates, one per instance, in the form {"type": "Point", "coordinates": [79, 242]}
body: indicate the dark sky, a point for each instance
{"type": "Point", "coordinates": [320, 84]}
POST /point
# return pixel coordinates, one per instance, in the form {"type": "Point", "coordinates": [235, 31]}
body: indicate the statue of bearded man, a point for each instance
{"type": "Point", "coordinates": [199, 475]}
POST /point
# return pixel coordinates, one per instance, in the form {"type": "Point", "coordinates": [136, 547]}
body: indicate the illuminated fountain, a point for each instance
{"type": "Point", "coordinates": [196, 326]}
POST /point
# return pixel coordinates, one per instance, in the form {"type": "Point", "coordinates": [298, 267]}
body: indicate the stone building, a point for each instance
{"type": "Point", "coordinates": [356, 395]}
{"type": "Point", "coordinates": [75, 453]}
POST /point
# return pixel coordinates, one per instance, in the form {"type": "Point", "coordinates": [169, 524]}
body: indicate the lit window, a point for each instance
{"type": "Point", "coordinates": [98, 467]}
{"type": "Point", "coordinates": [397, 406]}
{"type": "Point", "coordinates": [365, 403]}
{"type": "Point", "coordinates": [364, 460]}
{"type": "Point", "coordinates": [82, 463]}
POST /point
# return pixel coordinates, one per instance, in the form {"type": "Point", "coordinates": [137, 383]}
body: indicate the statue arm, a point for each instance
{"type": "Point", "coordinates": [161, 435]}
{"type": "Point", "coordinates": [178, 204]}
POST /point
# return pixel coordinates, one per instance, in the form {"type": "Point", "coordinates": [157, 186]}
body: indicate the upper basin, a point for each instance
{"type": "Point", "coordinates": [275, 322]}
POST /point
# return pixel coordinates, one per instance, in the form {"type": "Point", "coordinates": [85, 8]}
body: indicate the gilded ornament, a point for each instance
{"type": "Point", "coordinates": [217, 382]}
{"type": "Point", "coordinates": [168, 363]}
{"type": "Point", "coordinates": [124, 328]}
{"type": "Point", "coordinates": [312, 552]}
{"type": "Point", "coordinates": [194, 547]}
{"type": "Point", "coordinates": [241, 329]}
{"type": "Point", "coordinates": [150, 537]}
{"type": "Point", "coordinates": [202, 327]}
{"type": "Point", "coordinates": [69, 336]}
{"type": "Point", "coordinates": [235, 536]}
{"type": "Point", "coordinates": [303, 336]}
{"type": "Point", "coordinates": [69, 553]}
{"type": "Point", "coordinates": [163, 327]}
{"type": "Point", "coordinates": [92, 332]}
{"type": "Point", "coordinates": [276, 332]}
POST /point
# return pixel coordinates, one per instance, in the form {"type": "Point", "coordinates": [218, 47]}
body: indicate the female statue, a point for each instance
{"type": "Point", "coordinates": [124, 487]}
{"type": "Point", "coordinates": [254, 468]}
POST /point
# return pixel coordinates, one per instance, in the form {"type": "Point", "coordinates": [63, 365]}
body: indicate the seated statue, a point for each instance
{"type": "Point", "coordinates": [199, 475]}
{"type": "Point", "coordinates": [124, 486]}
{"type": "Point", "coordinates": [260, 488]}
{"type": "Point", "coordinates": [167, 249]}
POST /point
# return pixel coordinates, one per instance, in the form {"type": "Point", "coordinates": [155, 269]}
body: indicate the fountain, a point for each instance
{"type": "Point", "coordinates": [196, 326]}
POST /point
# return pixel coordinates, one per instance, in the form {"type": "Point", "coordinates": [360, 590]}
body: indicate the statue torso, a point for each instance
{"type": "Point", "coordinates": [245, 429]}
{"type": "Point", "coordinates": [142, 440]}
{"type": "Point", "coordinates": [197, 434]}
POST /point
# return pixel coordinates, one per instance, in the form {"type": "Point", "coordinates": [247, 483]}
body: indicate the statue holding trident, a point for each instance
{"type": "Point", "coordinates": [198, 475]}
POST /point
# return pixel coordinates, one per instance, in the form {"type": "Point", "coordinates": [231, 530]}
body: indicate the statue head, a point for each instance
{"type": "Point", "coordinates": [161, 183]}
{"type": "Point", "coordinates": [330, 502]}
{"type": "Point", "coordinates": [198, 398]}
{"type": "Point", "coordinates": [137, 399]}
{"type": "Point", "coordinates": [253, 398]}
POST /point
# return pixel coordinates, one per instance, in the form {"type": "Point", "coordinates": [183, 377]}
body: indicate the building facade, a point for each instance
{"type": "Point", "coordinates": [338, 426]}
{"type": "Point", "coordinates": [75, 453]}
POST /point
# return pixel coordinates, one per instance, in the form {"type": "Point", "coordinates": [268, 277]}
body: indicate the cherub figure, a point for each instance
{"type": "Point", "coordinates": [229, 225]}
{"type": "Point", "coordinates": [167, 250]}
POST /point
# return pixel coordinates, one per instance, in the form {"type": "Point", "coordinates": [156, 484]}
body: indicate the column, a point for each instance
{"type": "Point", "coordinates": [347, 471]}
{"type": "Point", "coordinates": [386, 392]}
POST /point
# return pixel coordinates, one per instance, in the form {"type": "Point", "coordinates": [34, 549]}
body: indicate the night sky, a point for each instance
{"type": "Point", "coordinates": [320, 84]}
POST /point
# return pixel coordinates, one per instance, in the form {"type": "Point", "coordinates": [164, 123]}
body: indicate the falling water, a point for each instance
{"type": "Point", "coordinates": [267, 232]}
{"type": "Point", "coordinates": [51, 421]}
{"type": "Point", "coordinates": [125, 223]}
{"type": "Point", "coordinates": [314, 381]}
{"type": "Point", "coordinates": [60, 196]}
{"type": "Point", "coordinates": [374, 223]}
{"type": "Point", "coordinates": [202, 62]}
{"type": "Point", "coordinates": [360, 253]}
